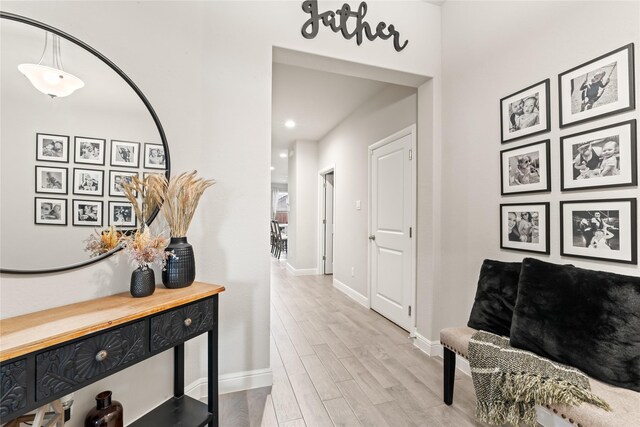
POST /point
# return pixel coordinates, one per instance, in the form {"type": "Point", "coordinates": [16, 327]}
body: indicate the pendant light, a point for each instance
{"type": "Point", "coordinates": [52, 81]}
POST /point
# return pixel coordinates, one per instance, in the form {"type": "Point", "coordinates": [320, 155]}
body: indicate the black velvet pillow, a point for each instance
{"type": "Point", "coordinates": [583, 318]}
{"type": "Point", "coordinates": [496, 295]}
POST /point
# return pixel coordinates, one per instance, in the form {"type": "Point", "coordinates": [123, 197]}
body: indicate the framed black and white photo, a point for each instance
{"type": "Point", "coordinates": [87, 212]}
{"type": "Point", "coordinates": [116, 179]}
{"type": "Point", "coordinates": [51, 180]}
{"type": "Point", "coordinates": [525, 113]}
{"type": "Point", "coordinates": [52, 148]}
{"type": "Point", "coordinates": [125, 153]}
{"type": "Point", "coordinates": [154, 157]}
{"type": "Point", "coordinates": [525, 227]}
{"type": "Point", "coordinates": [89, 150]}
{"type": "Point", "coordinates": [50, 211]}
{"type": "Point", "coordinates": [598, 88]}
{"type": "Point", "coordinates": [121, 214]}
{"type": "Point", "coordinates": [599, 158]}
{"type": "Point", "coordinates": [526, 169]}
{"type": "Point", "coordinates": [599, 229]}
{"type": "Point", "coordinates": [88, 182]}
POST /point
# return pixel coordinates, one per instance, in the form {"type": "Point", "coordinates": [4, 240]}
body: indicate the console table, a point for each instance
{"type": "Point", "coordinates": [51, 353]}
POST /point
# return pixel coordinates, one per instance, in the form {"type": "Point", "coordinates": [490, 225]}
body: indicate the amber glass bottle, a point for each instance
{"type": "Point", "coordinates": [107, 413]}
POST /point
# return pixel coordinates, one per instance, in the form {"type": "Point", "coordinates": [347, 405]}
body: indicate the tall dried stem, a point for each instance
{"type": "Point", "coordinates": [180, 199]}
{"type": "Point", "coordinates": [151, 189]}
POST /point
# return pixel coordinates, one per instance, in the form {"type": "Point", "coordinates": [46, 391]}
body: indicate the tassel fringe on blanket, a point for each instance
{"type": "Point", "coordinates": [509, 382]}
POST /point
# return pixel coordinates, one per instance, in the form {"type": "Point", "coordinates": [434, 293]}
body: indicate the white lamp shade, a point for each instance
{"type": "Point", "coordinates": [51, 81]}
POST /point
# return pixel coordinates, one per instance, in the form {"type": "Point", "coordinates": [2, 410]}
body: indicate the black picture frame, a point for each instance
{"type": "Point", "coordinates": [54, 183]}
{"type": "Point", "coordinates": [533, 123]}
{"type": "Point", "coordinates": [151, 161]}
{"type": "Point", "coordinates": [579, 103]}
{"type": "Point", "coordinates": [127, 222]}
{"type": "Point", "coordinates": [44, 218]}
{"type": "Point", "coordinates": [81, 217]}
{"type": "Point", "coordinates": [47, 148]}
{"type": "Point", "coordinates": [132, 157]}
{"type": "Point", "coordinates": [623, 172]}
{"type": "Point", "coordinates": [539, 168]}
{"type": "Point", "coordinates": [85, 150]}
{"type": "Point", "coordinates": [113, 188]}
{"type": "Point", "coordinates": [85, 180]}
{"type": "Point", "coordinates": [577, 227]}
{"type": "Point", "coordinates": [512, 239]}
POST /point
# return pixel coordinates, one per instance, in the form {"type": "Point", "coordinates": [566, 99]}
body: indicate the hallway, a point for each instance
{"type": "Point", "coordinates": [336, 363]}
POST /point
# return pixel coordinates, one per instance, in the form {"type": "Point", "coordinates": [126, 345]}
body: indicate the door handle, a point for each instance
{"type": "Point", "coordinates": [372, 237]}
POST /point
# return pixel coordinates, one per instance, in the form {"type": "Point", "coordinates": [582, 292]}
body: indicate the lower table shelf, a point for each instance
{"type": "Point", "coordinates": [179, 412]}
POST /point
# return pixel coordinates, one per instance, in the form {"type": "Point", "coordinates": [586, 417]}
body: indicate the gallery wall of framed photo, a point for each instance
{"type": "Point", "coordinates": [596, 162]}
{"type": "Point", "coordinates": [78, 179]}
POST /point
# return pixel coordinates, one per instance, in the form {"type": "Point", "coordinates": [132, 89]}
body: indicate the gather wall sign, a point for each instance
{"type": "Point", "coordinates": [339, 19]}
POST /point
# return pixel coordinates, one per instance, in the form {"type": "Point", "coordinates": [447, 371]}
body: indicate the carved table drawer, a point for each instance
{"type": "Point", "coordinates": [175, 326]}
{"type": "Point", "coordinates": [71, 365]}
{"type": "Point", "coordinates": [13, 387]}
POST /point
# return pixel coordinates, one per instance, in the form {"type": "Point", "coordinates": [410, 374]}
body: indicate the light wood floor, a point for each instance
{"type": "Point", "coordinates": [337, 363]}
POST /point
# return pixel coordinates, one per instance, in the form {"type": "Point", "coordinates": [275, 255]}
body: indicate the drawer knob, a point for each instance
{"type": "Point", "coordinates": [187, 322]}
{"type": "Point", "coordinates": [102, 354]}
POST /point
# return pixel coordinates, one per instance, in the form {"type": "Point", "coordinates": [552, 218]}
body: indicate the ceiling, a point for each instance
{"type": "Point", "coordinates": [317, 101]}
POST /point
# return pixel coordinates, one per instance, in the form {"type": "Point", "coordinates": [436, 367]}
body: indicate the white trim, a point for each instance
{"type": "Point", "coordinates": [230, 383]}
{"type": "Point", "coordinates": [434, 349]}
{"type": "Point", "coordinates": [356, 296]}
{"type": "Point", "coordinates": [302, 271]}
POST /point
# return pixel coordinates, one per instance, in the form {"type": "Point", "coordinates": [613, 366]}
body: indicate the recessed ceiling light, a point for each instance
{"type": "Point", "coordinates": [290, 124]}
{"type": "Point", "coordinates": [272, 168]}
{"type": "Point", "coordinates": [283, 155]}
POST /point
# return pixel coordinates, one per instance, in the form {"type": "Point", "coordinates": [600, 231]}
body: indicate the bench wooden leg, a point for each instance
{"type": "Point", "coordinates": [449, 375]}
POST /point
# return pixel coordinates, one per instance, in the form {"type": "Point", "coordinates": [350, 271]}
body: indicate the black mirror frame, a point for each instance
{"type": "Point", "coordinates": [114, 67]}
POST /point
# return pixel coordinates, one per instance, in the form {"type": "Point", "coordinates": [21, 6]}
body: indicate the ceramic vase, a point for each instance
{"type": "Point", "coordinates": [180, 270]}
{"type": "Point", "coordinates": [143, 282]}
{"type": "Point", "coordinates": [107, 413]}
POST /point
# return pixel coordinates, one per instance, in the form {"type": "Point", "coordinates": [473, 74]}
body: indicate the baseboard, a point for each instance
{"type": "Point", "coordinates": [230, 383]}
{"type": "Point", "coordinates": [302, 271]}
{"type": "Point", "coordinates": [356, 296]}
{"type": "Point", "coordinates": [434, 349]}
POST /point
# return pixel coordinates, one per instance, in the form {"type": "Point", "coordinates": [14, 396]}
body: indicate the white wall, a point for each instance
{"type": "Point", "coordinates": [346, 147]}
{"type": "Point", "coordinates": [303, 182]}
{"type": "Point", "coordinates": [206, 69]}
{"type": "Point", "coordinates": [490, 50]}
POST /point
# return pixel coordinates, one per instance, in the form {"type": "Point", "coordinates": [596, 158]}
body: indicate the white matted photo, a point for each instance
{"type": "Point", "coordinates": [51, 180]}
{"type": "Point", "coordinates": [88, 182]}
{"type": "Point", "coordinates": [52, 148]}
{"type": "Point", "coordinates": [525, 113]}
{"type": "Point", "coordinates": [154, 156]}
{"type": "Point", "coordinates": [525, 227]}
{"type": "Point", "coordinates": [89, 150]}
{"type": "Point", "coordinates": [122, 214]}
{"type": "Point", "coordinates": [600, 158]}
{"type": "Point", "coordinates": [526, 169]}
{"type": "Point", "coordinates": [116, 179]}
{"type": "Point", "coordinates": [598, 88]}
{"type": "Point", "coordinates": [599, 229]}
{"type": "Point", "coordinates": [50, 211]}
{"type": "Point", "coordinates": [87, 212]}
{"type": "Point", "coordinates": [125, 153]}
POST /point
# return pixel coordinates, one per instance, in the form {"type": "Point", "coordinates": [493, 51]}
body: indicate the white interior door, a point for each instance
{"type": "Point", "coordinates": [328, 223]}
{"type": "Point", "coordinates": [392, 194]}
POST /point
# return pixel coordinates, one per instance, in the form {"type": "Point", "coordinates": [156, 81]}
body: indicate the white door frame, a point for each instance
{"type": "Point", "coordinates": [321, 173]}
{"type": "Point", "coordinates": [411, 130]}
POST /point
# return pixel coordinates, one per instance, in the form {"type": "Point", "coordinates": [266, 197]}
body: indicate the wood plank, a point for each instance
{"type": "Point", "coordinates": [393, 414]}
{"type": "Point", "coordinates": [341, 413]}
{"type": "Point", "coordinates": [283, 397]}
{"type": "Point", "coordinates": [268, 414]}
{"type": "Point", "coordinates": [313, 411]}
{"type": "Point", "coordinates": [336, 371]}
{"type": "Point", "coordinates": [369, 385]}
{"type": "Point", "coordinates": [325, 387]}
{"type": "Point", "coordinates": [367, 414]}
{"type": "Point", "coordinates": [30, 332]}
{"type": "Point", "coordinates": [295, 423]}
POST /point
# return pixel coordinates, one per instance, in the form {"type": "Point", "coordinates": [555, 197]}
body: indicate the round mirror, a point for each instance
{"type": "Point", "coordinates": [64, 157]}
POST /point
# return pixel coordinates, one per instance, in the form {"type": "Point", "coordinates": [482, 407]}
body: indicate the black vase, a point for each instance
{"type": "Point", "coordinates": [107, 413]}
{"type": "Point", "coordinates": [143, 282]}
{"type": "Point", "coordinates": [180, 270]}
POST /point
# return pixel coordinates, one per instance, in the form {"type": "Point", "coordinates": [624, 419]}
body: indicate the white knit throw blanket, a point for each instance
{"type": "Point", "coordinates": [509, 382]}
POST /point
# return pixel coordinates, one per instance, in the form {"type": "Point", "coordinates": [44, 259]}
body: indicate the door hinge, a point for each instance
{"type": "Point", "coordinates": [410, 232]}
{"type": "Point", "coordinates": [324, 258]}
{"type": "Point", "coordinates": [410, 154]}
{"type": "Point", "coordinates": [324, 221]}
{"type": "Point", "coordinates": [409, 310]}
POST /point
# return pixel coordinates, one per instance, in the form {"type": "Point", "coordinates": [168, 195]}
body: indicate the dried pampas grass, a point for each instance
{"type": "Point", "coordinates": [180, 199]}
{"type": "Point", "coordinates": [151, 188]}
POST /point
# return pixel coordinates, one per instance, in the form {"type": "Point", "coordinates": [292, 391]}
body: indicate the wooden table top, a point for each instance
{"type": "Point", "coordinates": [24, 334]}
